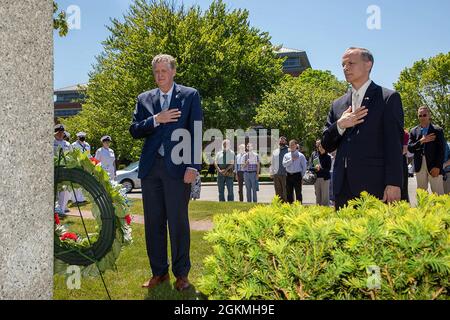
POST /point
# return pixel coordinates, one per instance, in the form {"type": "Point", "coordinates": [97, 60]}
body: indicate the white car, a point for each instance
{"type": "Point", "coordinates": [128, 177]}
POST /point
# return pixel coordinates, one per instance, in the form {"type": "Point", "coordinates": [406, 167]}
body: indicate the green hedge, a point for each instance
{"type": "Point", "coordinates": [294, 252]}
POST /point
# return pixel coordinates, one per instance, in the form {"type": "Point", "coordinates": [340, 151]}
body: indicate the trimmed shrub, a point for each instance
{"type": "Point", "coordinates": [295, 252]}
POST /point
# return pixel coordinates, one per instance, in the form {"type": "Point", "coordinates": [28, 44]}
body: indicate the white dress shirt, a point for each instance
{"type": "Point", "coordinates": [295, 165]}
{"type": "Point", "coordinates": [357, 98]}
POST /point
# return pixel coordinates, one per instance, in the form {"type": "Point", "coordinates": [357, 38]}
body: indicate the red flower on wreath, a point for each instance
{"type": "Point", "coordinates": [69, 235]}
{"type": "Point", "coordinates": [128, 219]}
{"type": "Point", "coordinates": [94, 161]}
{"type": "Point", "coordinates": [57, 219]}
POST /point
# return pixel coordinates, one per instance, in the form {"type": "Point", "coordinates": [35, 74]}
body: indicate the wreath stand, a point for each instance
{"type": "Point", "coordinates": [95, 252]}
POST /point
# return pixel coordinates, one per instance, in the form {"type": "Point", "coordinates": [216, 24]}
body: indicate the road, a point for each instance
{"type": "Point", "coordinates": [209, 193]}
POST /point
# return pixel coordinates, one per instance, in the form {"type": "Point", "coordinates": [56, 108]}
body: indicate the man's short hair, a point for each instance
{"type": "Point", "coordinates": [293, 141]}
{"type": "Point", "coordinates": [423, 107]}
{"type": "Point", "coordinates": [365, 54]}
{"type": "Point", "coordinates": [167, 58]}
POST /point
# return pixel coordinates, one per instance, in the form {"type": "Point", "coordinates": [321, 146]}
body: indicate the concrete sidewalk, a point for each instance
{"type": "Point", "coordinates": [266, 193]}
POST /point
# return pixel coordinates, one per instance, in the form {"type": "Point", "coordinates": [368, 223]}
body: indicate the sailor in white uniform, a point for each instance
{"type": "Point", "coordinates": [84, 147]}
{"type": "Point", "coordinates": [81, 144]}
{"type": "Point", "coordinates": [106, 157]}
{"type": "Point", "coordinates": [58, 144]}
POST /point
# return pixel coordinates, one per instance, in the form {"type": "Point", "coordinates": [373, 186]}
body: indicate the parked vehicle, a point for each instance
{"type": "Point", "coordinates": [128, 177]}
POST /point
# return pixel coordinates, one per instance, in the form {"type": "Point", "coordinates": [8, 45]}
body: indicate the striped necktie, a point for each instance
{"type": "Point", "coordinates": [164, 107]}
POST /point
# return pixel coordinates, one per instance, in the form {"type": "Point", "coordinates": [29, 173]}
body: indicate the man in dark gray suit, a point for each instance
{"type": "Point", "coordinates": [160, 115]}
{"type": "Point", "coordinates": [365, 126]}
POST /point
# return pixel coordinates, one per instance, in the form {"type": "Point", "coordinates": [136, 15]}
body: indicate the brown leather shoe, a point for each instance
{"type": "Point", "coordinates": [155, 281]}
{"type": "Point", "coordinates": [182, 283]}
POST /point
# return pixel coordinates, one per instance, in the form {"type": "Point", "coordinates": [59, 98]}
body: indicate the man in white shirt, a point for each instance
{"type": "Point", "coordinates": [60, 144]}
{"type": "Point", "coordinates": [84, 147]}
{"type": "Point", "coordinates": [107, 157]}
{"type": "Point", "coordinates": [295, 163]}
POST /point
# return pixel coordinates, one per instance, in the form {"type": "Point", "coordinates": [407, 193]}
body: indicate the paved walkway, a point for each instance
{"type": "Point", "coordinates": [266, 193]}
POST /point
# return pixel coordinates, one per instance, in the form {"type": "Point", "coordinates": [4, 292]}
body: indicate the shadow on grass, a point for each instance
{"type": "Point", "coordinates": [166, 291]}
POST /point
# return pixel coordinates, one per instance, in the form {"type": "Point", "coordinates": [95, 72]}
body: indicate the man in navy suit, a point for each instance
{"type": "Point", "coordinates": [427, 143]}
{"type": "Point", "coordinates": [162, 115]}
{"type": "Point", "coordinates": [366, 128]}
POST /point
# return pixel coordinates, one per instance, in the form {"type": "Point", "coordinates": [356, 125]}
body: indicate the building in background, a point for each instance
{"type": "Point", "coordinates": [296, 61]}
{"type": "Point", "coordinates": [68, 101]}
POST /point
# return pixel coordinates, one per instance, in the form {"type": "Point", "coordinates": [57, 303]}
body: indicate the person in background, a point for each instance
{"type": "Point", "coordinates": [84, 147]}
{"type": "Point", "coordinates": [405, 195]}
{"type": "Point", "coordinates": [240, 171]}
{"type": "Point", "coordinates": [251, 173]}
{"type": "Point", "coordinates": [67, 136]}
{"type": "Point", "coordinates": [106, 157]}
{"type": "Point", "coordinates": [320, 163]}
{"type": "Point", "coordinates": [60, 144]}
{"type": "Point", "coordinates": [295, 163]}
{"type": "Point", "coordinates": [278, 171]}
{"type": "Point", "coordinates": [447, 168]}
{"type": "Point", "coordinates": [426, 141]}
{"type": "Point", "coordinates": [224, 164]}
{"type": "Point", "coordinates": [331, 193]}
{"type": "Point", "coordinates": [81, 144]}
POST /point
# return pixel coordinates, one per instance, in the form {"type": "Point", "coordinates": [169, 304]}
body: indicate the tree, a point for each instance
{"type": "Point", "coordinates": [59, 21]}
{"type": "Point", "coordinates": [427, 82]}
{"type": "Point", "coordinates": [229, 62]}
{"type": "Point", "coordinates": [298, 107]}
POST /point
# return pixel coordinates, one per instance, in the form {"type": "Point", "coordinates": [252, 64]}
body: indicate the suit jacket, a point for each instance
{"type": "Point", "coordinates": [434, 151]}
{"type": "Point", "coordinates": [187, 100]}
{"type": "Point", "coordinates": [372, 149]}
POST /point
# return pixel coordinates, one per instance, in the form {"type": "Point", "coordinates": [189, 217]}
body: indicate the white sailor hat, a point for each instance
{"type": "Point", "coordinates": [105, 138]}
{"type": "Point", "coordinates": [81, 134]}
{"type": "Point", "coordinates": [59, 127]}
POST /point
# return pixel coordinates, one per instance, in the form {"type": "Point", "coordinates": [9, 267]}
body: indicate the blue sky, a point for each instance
{"type": "Point", "coordinates": [410, 30]}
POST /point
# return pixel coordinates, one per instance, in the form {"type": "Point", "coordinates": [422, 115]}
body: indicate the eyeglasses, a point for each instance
{"type": "Point", "coordinates": [423, 115]}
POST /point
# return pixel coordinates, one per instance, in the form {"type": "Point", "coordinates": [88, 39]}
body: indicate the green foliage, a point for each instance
{"type": "Point", "coordinates": [427, 82]}
{"type": "Point", "coordinates": [294, 252]}
{"type": "Point", "coordinates": [298, 107]}
{"type": "Point", "coordinates": [217, 52]}
{"type": "Point", "coordinates": [59, 21]}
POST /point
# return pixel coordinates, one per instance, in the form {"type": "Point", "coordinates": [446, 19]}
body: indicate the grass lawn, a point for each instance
{"type": "Point", "coordinates": [201, 210]}
{"type": "Point", "coordinates": [133, 267]}
{"type": "Point", "coordinates": [198, 210]}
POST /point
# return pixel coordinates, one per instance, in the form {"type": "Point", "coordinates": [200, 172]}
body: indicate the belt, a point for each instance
{"type": "Point", "coordinates": [291, 174]}
{"type": "Point", "coordinates": [250, 171]}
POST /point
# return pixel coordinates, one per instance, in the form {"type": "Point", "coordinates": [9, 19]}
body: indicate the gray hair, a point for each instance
{"type": "Point", "coordinates": [167, 58]}
{"type": "Point", "coordinates": [365, 54]}
{"type": "Point", "coordinates": [424, 107]}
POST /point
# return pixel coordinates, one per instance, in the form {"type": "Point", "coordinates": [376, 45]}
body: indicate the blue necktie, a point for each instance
{"type": "Point", "coordinates": [164, 107]}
